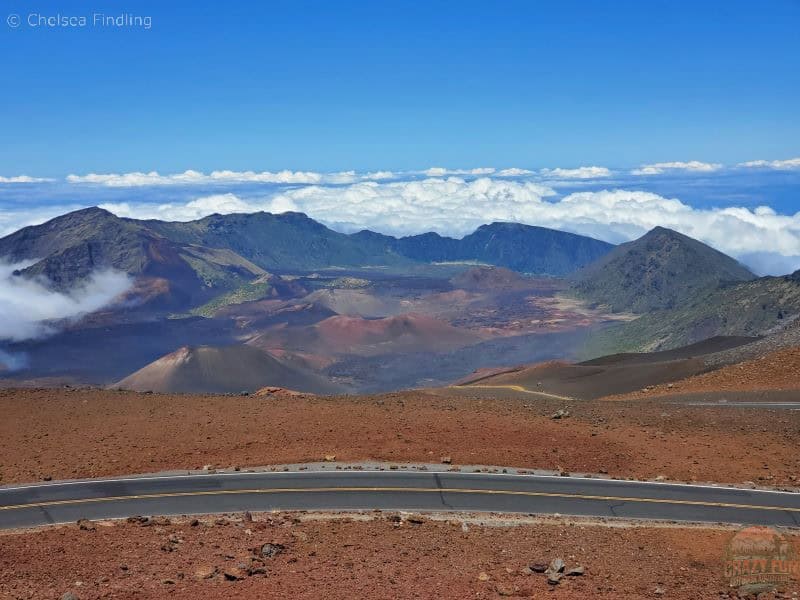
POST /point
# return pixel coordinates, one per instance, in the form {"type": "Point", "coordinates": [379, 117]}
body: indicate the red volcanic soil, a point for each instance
{"type": "Point", "coordinates": [66, 433]}
{"type": "Point", "coordinates": [778, 370]}
{"type": "Point", "coordinates": [228, 369]}
{"type": "Point", "coordinates": [412, 331]}
{"type": "Point", "coordinates": [366, 337]}
{"type": "Point", "coordinates": [382, 556]}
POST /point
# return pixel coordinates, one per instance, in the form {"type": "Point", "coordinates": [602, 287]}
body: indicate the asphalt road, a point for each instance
{"type": "Point", "coordinates": [25, 506]}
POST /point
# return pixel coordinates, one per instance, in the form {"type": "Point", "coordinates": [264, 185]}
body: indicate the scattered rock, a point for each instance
{"type": "Point", "coordinates": [68, 596]}
{"type": "Point", "coordinates": [554, 578]}
{"type": "Point", "coordinates": [483, 576]}
{"type": "Point", "coordinates": [233, 574]}
{"type": "Point", "coordinates": [194, 523]}
{"type": "Point", "coordinates": [330, 458]}
{"type": "Point", "coordinates": [270, 549]}
{"type": "Point", "coordinates": [168, 581]}
{"type": "Point", "coordinates": [86, 525]}
{"type": "Point", "coordinates": [446, 460]}
{"type": "Point", "coordinates": [538, 567]}
{"type": "Point", "coordinates": [415, 519]}
{"type": "Point", "coordinates": [659, 591]}
{"type": "Point", "coordinates": [505, 590]}
{"type": "Point", "coordinates": [561, 413]}
{"type": "Point", "coordinates": [576, 571]}
{"type": "Point", "coordinates": [139, 520]}
{"type": "Point", "coordinates": [556, 566]}
{"type": "Point", "coordinates": [256, 569]}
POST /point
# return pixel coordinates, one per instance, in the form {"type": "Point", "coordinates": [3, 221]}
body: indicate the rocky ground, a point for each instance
{"type": "Point", "coordinates": [372, 556]}
{"type": "Point", "coordinates": [778, 370]}
{"type": "Point", "coordinates": [69, 433]}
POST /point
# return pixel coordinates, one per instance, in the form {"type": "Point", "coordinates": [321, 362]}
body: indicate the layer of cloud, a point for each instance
{"type": "Point", "coordinates": [579, 173]}
{"type": "Point", "coordinates": [443, 172]}
{"type": "Point", "coordinates": [190, 177]}
{"type": "Point", "coordinates": [30, 309]}
{"type": "Point", "coordinates": [768, 241]}
{"type": "Point", "coordinates": [692, 166]}
{"type": "Point", "coordinates": [23, 179]}
{"type": "Point", "coordinates": [778, 165]}
{"type": "Point", "coordinates": [514, 172]}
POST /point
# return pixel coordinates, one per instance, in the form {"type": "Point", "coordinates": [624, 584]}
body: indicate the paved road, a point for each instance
{"type": "Point", "coordinates": [42, 504]}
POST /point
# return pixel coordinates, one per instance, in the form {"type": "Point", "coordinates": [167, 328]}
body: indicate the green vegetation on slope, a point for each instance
{"type": "Point", "coordinates": [750, 308]}
{"type": "Point", "coordinates": [662, 270]}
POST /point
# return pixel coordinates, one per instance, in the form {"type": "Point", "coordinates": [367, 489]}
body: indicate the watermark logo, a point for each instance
{"type": "Point", "coordinates": [760, 559]}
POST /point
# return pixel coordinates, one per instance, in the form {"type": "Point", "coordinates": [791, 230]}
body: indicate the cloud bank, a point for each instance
{"type": "Point", "coordinates": [692, 166]}
{"type": "Point", "coordinates": [777, 165]}
{"type": "Point", "coordinates": [190, 177]}
{"type": "Point", "coordinates": [23, 179]}
{"type": "Point", "coordinates": [30, 309]}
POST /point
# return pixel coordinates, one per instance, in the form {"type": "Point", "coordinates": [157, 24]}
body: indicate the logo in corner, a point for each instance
{"type": "Point", "coordinates": [760, 559]}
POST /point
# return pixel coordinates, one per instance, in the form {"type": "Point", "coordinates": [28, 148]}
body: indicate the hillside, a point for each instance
{"type": "Point", "coordinates": [194, 262]}
{"type": "Point", "coordinates": [750, 308]}
{"type": "Point", "coordinates": [228, 369]}
{"type": "Point", "coordinates": [69, 248]}
{"type": "Point", "coordinates": [661, 270]}
{"type": "Point", "coordinates": [522, 248]}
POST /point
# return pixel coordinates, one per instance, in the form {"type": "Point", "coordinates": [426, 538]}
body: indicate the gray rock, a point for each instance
{"type": "Point", "coordinates": [69, 596]}
{"type": "Point", "coordinates": [576, 571]}
{"type": "Point", "coordinates": [554, 578]}
{"type": "Point", "coordinates": [269, 549]}
{"type": "Point", "coordinates": [556, 566]}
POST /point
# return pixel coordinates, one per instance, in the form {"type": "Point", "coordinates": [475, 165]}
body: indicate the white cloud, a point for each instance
{"type": "Point", "coordinates": [29, 308]}
{"type": "Point", "coordinates": [579, 173]}
{"type": "Point", "coordinates": [137, 179]}
{"type": "Point", "coordinates": [193, 177]}
{"type": "Point", "coordinates": [693, 166]}
{"type": "Point", "coordinates": [514, 172]}
{"type": "Point", "coordinates": [443, 172]}
{"type": "Point", "coordinates": [778, 165]}
{"type": "Point", "coordinates": [23, 179]}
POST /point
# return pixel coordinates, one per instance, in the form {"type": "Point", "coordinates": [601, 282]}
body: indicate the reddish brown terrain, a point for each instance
{"type": "Point", "coordinates": [69, 433]}
{"type": "Point", "coordinates": [384, 556]}
{"type": "Point", "coordinates": [779, 370]}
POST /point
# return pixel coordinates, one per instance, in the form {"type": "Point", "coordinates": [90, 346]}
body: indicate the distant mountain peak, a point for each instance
{"type": "Point", "coordinates": [662, 269]}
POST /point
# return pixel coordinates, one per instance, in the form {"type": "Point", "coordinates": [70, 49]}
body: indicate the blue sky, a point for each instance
{"type": "Point", "coordinates": [403, 117]}
{"type": "Point", "coordinates": [332, 86]}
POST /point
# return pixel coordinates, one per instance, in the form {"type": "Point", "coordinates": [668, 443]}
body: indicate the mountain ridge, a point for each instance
{"type": "Point", "coordinates": [661, 270]}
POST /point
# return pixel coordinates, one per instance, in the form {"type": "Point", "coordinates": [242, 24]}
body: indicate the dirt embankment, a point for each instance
{"type": "Point", "coordinates": [779, 370]}
{"type": "Point", "coordinates": [91, 433]}
{"type": "Point", "coordinates": [384, 557]}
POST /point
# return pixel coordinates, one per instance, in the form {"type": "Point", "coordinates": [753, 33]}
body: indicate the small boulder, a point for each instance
{"type": "Point", "coordinates": [86, 525]}
{"type": "Point", "coordinates": [538, 567]}
{"type": "Point", "coordinates": [233, 574]}
{"type": "Point", "coordinates": [554, 578]}
{"type": "Point", "coordinates": [576, 571]}
{"type": "Point", "coordinates": [556, 566]}
{"type": "Point", "coordinates": [205, 571]}
{"type": "Point", "coordinates": [561, 413]}
{"type": "Point", "coordinates": [483, 576]}
{"type": "Point", "coordinates": [68, 596]}
{"type": "Point", "coordinates": [270, 549]}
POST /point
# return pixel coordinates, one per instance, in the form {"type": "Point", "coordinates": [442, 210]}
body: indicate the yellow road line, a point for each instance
{"type": "Point", "coordinates": [397, 489]}
{"type": "Point", "coordinates": [515, 388]}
